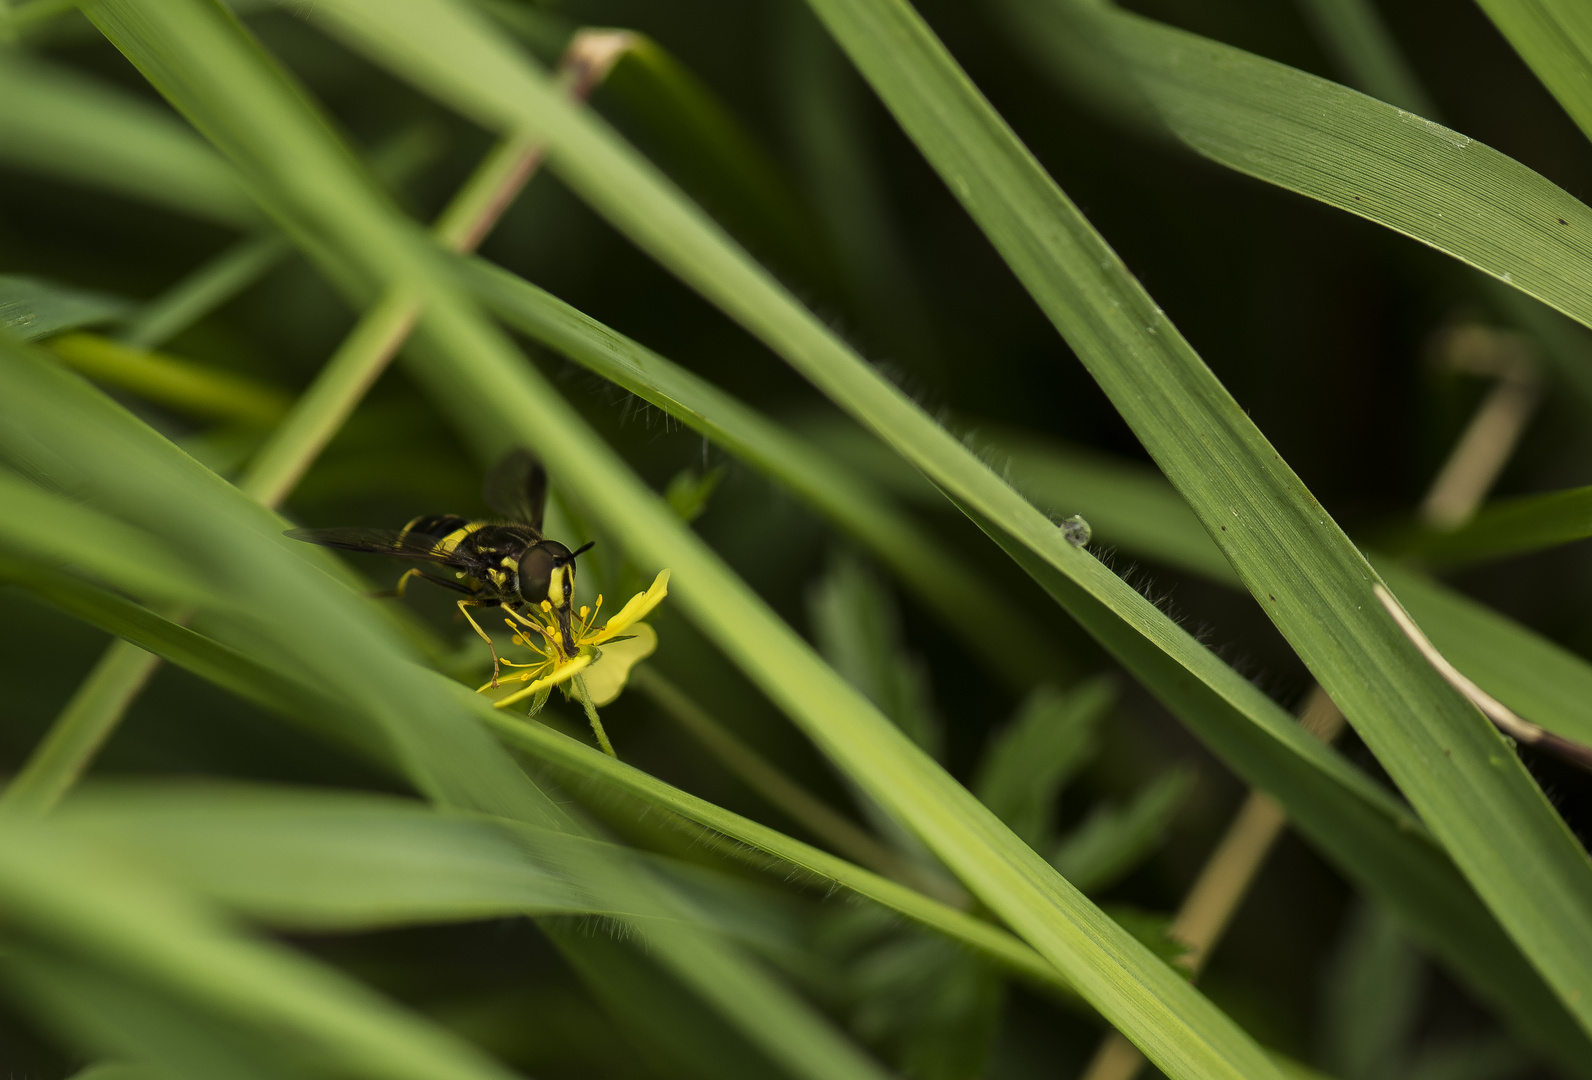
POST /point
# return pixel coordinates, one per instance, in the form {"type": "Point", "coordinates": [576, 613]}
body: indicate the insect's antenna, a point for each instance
{"type": "Point", "coordinates": [587, 546]}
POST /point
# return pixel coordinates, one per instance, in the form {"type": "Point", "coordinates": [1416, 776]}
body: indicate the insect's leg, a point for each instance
{"type": "Point", "coordinates": [463, 604]}
{"type": "Point", "coordinates": [416, 572]}
{"type": "Point", "coordinates": [403, 581]}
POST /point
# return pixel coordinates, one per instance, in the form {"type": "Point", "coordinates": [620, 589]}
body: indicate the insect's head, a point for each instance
{"type": "Point", "coordinates": [547, 572]}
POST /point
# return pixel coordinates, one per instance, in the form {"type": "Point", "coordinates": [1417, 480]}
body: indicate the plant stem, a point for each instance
{"type": "Point", "coordinates": [115, 681]}
{"type": "Point", "coordinates": [591, 715]}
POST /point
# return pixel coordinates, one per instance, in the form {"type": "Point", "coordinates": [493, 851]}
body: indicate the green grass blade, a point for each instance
{"type": "Point", "coordinates": [1554, 37]}
{"type": "Point", "coordinates": [1359, 41]}
{"type": "Point", "coordinates": [183, 385]}
{"type": "Point", "coordinates": [1541, 681]}
{"type": "Point", "coordinates": [1017, 649]}
{"type": "Point", "coordinates": [339, 861]}
{"type": "Point", "coordinates": [204, 290]}
{"type": "Point", "coordinates": [1330, 143]}
{"type": "Point", "coordinates": [474, 72]}
{"type": "Point", "coordinates": [31, 309]}
{"type": "Point", "coordinates": [66, 899]}
{"type": "Point", "coordinates": [1503, 528]}
{"type": "Point", "coordinates": [327, 638]}
{"type": "Point", "coordinates": [1311, 580]}
{"type": "Point", "coordinates": [1113, 840]}
{"type": "Point", "coordinates": [64, 124]}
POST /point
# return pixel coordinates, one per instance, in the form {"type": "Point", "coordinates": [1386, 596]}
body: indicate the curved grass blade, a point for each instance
{"type": "Point", "coordinates": [70, 906]}
{"type": "Point", "coordinates": [64, 124]}
{"type": "Point", "coordinates": [1313, 583]}
{"type": "Point", "coordinates": [969, 606]}
{"type": "Point", "coordinates": [325, 636]}
{"type": "Point", "coordinates": [1501, 529]}
{"type": "Point", "coordinates": [31, 309]}
{"type": "Point", "coordinates": [475, 72]}
{"type": "Point", "coordinates": [194, 56]}
{"type": "Point", "coordinates": [1333, 144]}
{"type": "Point", "coordinates": [1555, 38]}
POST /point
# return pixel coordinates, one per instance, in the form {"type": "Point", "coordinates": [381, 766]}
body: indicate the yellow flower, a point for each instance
{"type": "Point", "coordinates": [600, 657]}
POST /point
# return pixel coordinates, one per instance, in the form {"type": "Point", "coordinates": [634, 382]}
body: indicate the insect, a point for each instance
{"type": "Point", "coordinates": [496, 564]}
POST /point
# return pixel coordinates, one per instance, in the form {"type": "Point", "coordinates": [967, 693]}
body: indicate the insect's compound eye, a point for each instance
{"type": "Point", "coordinates": [537, 567]}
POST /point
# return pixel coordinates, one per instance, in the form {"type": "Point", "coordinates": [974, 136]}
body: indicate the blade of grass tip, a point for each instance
{"type": "Point", "coordinates": [787, 795]}
{"type": "Point", "coordinates": [1355, 34]}
{"type": "Point", "coordinates": [1316, 586]}
{"type": "Point", "coordinates": [187, 387]}
{"type": "Point", "coordinates": [1554, 38]}
{"type": "Point", "coordinates": [89, 718]}
{"type": "Point", "coordinates": [204, 290]}
{"type": "Point", "coordinates": [970, 607]}
{"type": "Point", "coordinates": [31, 309]}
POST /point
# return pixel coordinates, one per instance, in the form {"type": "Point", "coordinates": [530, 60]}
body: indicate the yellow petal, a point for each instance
{"type": "Point", "coordinates": [560, 674]}
{"type": "Point", "coordinates": [608, 675]}
{"type": "Point", "coordinates": [636, 609]}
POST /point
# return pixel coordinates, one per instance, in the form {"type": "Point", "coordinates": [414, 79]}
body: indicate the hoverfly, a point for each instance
{"type": "Point", "coordinates": [496, 564]}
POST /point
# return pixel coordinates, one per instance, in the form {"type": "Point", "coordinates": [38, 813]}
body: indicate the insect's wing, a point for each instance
{"type": "Point", "coordinates": [517, 488]}
{"type": "Point", "coordinates": [379, 541]}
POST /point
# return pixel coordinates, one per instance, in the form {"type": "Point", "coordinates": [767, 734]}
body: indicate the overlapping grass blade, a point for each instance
{"type": "Point", "coordinates": [290, 615]}
{"type": "Point", "coordinates": [1330, 143]}
{"type": "Point", "coordinates": [77, 918]}
{"type": "Point", "coordinates": [200, 61]}
{"type": "Point", "coordinates": [1313, 583]}
{"type": "Point", "coordinates": [245, 676]}
{"type": "Point", "coordinates": [68, 125]}
{"type": "Point", "coordinates": [971, 607]}
{"type": "Point", "coordinates": [1503, 528]}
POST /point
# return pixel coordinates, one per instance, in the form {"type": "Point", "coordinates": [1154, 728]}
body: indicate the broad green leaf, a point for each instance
{"type": "Point", "coordinates": [1314, 584]}
{"type": "Point", "coordinates": [1112, 840]}
{"type": "Point", "coordinates": [1555, 38]}
{"type": "Point", "coordinates": [64, 124]}
{"type": "Point", "coordinates": [1027, 764]}
{"type": "Point", "coordinates": [31, 309]}
{"type": "Point", "coordinates": [1500, 529]}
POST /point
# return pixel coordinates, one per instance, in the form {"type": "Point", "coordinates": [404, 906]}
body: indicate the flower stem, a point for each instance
{"type": "Point", "coordinates": [591, 714]}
